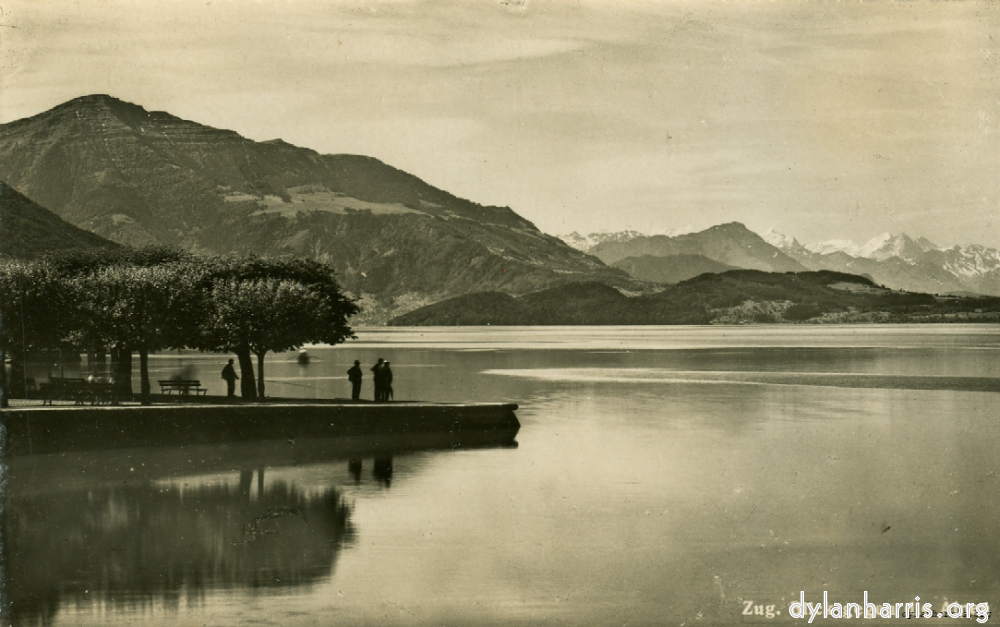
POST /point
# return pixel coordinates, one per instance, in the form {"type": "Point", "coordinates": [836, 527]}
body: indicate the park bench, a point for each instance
{"type": "Point", "coordinates": [80, 391]}
{"type": "Point", "coordinates": [183, 387]}
{"type": "Point", "coordinates": [64, 389]}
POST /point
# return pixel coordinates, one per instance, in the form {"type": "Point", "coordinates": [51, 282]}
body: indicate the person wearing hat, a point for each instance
{"type": "Point", "coordinates": [354, 376]}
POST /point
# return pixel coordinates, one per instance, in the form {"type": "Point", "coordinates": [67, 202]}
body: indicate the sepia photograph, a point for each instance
{"type": "Point", "coordinates": [529, 313]}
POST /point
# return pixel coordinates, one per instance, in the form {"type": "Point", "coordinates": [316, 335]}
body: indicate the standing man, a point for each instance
{"type": "Point", "coordinates": [377, 377]}
{"type": "Point", "coordinates": [386, 382]}
{"type": "Point", "coordinates": [229, 374]}
{"type": "Point", "coordinates": [354, 376]}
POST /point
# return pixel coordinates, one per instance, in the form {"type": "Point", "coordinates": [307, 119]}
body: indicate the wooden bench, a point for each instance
{"type": "Point", "coordinates": [64, 389]}
{"type": "Point", "coordinates": [80, 391]}
{"type": "Point", "coordinates": [183, 387]}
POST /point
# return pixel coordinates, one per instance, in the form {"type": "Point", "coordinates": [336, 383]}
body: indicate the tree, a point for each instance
{"type": "Point", "coordinates": [157, 298]}
{"type": "Point", "coordinates": [131, 299]}
{"type": "Point", "coordinates": [36, 313]}
{"type": "Point", "coordinates": [140, 308]}
{"type": "Point", "coordinates": [259, 305]}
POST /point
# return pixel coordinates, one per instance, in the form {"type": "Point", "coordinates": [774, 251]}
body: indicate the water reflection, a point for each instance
{"type": "Point", "coordinates": [166, 541]}
{"type": "Point", "coordinates": [126, 531]}
{"type": "Point", "coordinates": [354, 468]}
{"type": "Point", "coordinates": [655, 485]}
{"type": "Point", "coordinates": [382, 470]}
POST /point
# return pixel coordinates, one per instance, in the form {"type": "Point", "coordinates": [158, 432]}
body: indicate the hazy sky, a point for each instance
{"type": "Point", "coordinates": [822, 120]}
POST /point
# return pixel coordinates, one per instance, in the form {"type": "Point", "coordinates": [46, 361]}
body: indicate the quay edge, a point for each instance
{"type": "Point", "coordinates": [38, 430]}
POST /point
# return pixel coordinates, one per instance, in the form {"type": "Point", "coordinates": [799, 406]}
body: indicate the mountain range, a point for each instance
{"type": "Point", "coordinates": [731, 244]}
{"type": "Point", "coordinates": [139, 177]}
{"type": "Point", "coordinates": [586, 242]}
{"type": "Point", "coordinates": [901, 262]}
{"type": "Point", "coordinates": [98, 171]}
{"type": "Point", "coordinates": [894, 261]}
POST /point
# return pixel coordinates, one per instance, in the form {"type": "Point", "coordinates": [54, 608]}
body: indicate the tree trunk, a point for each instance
{"type": "Point", "coordinates": [144, 375]}
{"type": "Point", "coordinates": [17, 375]}
{"type": "Point", "coordinates": [100, 361]}
{"type": "Point", "coordinates": [3, 378]}
{"type": "Point", "coordinates": [123, 376]}
{"type": "Point", "coordinates": [260, 375]}
{"type": "Point", "coordinates": [248, 386]}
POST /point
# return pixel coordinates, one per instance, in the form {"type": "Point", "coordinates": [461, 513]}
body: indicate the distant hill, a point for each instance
{"type": "Point", "coordinates": [28, 230]}
{"type": "Point", "coordinates": [730, 244]}
{"type": "Point", "coordinates": [669, 269]}
{"type": "Point", "coordinates": [733, 297]}
{"type": "Point", "coordinates": [578, 303]}
{"type": "Point", "coordinates": [140, 177]}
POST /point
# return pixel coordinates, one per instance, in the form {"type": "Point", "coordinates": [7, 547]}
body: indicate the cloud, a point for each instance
{"type": "Point", "coordinates": [575, 110]}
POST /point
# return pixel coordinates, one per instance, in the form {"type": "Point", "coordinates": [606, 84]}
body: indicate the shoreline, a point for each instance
{"type": "Point", "coordinates": [35, 430]}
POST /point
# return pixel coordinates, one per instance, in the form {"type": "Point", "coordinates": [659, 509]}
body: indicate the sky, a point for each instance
{"type": "Point", "coordinates": [821, 120]}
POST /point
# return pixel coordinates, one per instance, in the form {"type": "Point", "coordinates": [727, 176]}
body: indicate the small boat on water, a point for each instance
{"type": "Point", "coordinates": [303, 356]}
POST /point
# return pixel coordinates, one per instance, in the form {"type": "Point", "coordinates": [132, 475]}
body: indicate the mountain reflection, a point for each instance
{"type": "Point", "coordinates": [136, 545]}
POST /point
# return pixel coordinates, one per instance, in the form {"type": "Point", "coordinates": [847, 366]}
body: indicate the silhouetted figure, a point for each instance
{"type": "Point", "coordinates": [354, 376]}
{"type": "Point", "coordinates": [386, 382]}
{"type": "Point", "coordinates": [229, 374]}
{"type": "Point", "coordinates": [378, 378]}
{"type": "Point", "coordinates": [382, 470]}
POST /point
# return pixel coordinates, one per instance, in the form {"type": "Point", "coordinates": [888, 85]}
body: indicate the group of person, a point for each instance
{"type": "Point", "coordinates": [381, 374]}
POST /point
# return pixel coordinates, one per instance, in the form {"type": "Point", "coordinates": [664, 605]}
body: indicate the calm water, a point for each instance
{"type": "Point", "coordinates": [662, 476]}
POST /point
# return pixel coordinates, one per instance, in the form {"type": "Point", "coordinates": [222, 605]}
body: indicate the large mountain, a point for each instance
{"type": "Point", "coordinates": [28, 230]}
{"type": "Point", "coordinates": [901, 262]}
{"type": "Point", "coordinates": [139, 177]}
{"type": "Point", "coordinates": [731, 244]}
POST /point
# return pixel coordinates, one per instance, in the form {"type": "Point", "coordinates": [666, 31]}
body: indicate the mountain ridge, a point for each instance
{"type": "Point", "coordinates": [902, 262]}
{"type": "Point", "coordinates": [141, 177]}
{"type": "Point", "coordinates": [731, 243]}
{"type": "Point", "coordinates": [669, 269]}
{"type": "Point", "coordinates": [28, 230]}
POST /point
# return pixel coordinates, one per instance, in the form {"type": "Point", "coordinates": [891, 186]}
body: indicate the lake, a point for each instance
{"type": "Point", "coordinates": [662, 475]}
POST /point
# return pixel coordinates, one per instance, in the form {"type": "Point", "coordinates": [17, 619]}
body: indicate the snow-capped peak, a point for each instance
{"type": "Point", "coordinates": [779, 240]}
{"type": "Point", "coordinates": [972, 261]}
{"type": "Point", "coordinates": [684, 230]}
{"type": "Point", "coordinates": [586, 242]}
{"type": "Point", "coordinates": [902, 245]}
{"type": "Point", "coordinates": [831, 246]}
{"type": "Point", "coordinates": [873, 245]}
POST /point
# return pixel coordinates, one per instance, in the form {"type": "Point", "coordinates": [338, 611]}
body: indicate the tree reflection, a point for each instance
{"type": "Point", "coordinates": [136, 545]}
